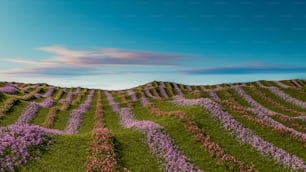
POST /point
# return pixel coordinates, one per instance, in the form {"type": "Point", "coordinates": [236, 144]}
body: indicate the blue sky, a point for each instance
{"type": "Point", "coordinates": [120, 44]}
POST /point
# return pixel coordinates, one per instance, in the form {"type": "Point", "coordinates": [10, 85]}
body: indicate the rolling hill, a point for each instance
{"type": "Point", "coordinates": [159, 126]}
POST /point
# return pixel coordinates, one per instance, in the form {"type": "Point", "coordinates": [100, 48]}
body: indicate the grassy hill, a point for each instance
{"type": "Point", "coordinates": [159, 126]}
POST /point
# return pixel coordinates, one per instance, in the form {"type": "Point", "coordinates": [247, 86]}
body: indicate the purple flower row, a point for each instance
{"type": "Point", "coordinates": [77, 115]}
{"type": "Point", "coordinates": [115, 106]}
{"type": "Point", "coordinates": [29, 114]}
{"type": "Point", "coordinates": [132, 94]}
{"type": "Point", "coordinates": [189, 88]}
{"type": "Point", "coordinates": [214, 95]}
{"type": "Point", "coordinates": [10, 89]}
{"type": "Point", "coordinates": [281, 84]}
{"type": "Point", "coordinates": [47, 103]}
{"type": "Point", "coordinates": [50, 92]}
{"type": "Point", "coordinates": [144, 101]}
{"type": "Point", "coordinates": [31, 111]}
{"type": "Point", "coordinates": [162, 84]}
{"type": "Point", "coordinates": [19, 144]}
{"type": "Point", "coordinates": [256, 110]}
{"type": "Point", "coordinates": [148, 93]}
{"type": "Point", "coordinates": [252, 102]}
{"type": "Point", "coordinates": [163, 92]}
{"type": "Point", "coordinates": [246, 135]}
{"type": "Point", "coordinates": [260, 84]}
{"type": "Point", "coordinates": [178, 89]}
{"type": "Point", "coordinates": [296, 83]}
{"type": "Point", "coordinates": [287, 97]}
{"type": "Point", "coordinates": [68, 98]}
{"type": "Point", "coordinates": [160, 143]}
{"type": "Point", "coordinates": [277, 124]}
{"type": "Point", "coordinates": [70, 95]}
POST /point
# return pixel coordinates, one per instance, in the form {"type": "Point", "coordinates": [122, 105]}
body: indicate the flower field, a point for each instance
{"type": "Point", "coordinates": [158, 126]}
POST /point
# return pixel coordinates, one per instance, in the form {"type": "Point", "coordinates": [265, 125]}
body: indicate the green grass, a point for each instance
{"type": "Point", "coordinates": [183, 139]}
{"type": "Point", "coordinates": [218, 134]}
{"type": "Point", "coordinates": [298, 94]}
{"type": "Point", "coordinates": [131, 149]}
{"type": "Point", "coordinates": [41, 116]}
{"type": "Point", "coordinates": [62, 118]}
{"type": "Point", "coordinates": [12, 116]}
{"type": "Point", "coordinates": [279, 100]}
{"type": "Point", "coordinates": [277, 139]}
{"type": "Point", "coordinates": [68, 153]}
{"type": "Point", "coordinates": [266, 104]}
{"type": "Point", "coordinates": [88, 121]}
{"type": "Point", "coordinates": [3, 97]}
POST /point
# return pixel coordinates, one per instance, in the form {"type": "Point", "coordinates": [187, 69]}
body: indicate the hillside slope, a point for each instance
{"type": "Point", "coordinates": [159, 126]}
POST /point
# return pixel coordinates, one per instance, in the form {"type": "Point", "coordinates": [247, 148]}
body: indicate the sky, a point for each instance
{"type": "Point", "coordinates": [120, 44]}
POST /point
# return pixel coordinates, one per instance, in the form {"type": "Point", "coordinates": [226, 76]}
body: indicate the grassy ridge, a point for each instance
{"type": "Point", "coordinates": [131, 149]}
{"type": "Point", "coordinates": [221, 136]}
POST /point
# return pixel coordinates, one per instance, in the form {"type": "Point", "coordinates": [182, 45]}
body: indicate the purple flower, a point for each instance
{"type": "Point", "coordinates": [287, 97]}
{"type": "Point", "coordinates": [19, 144]}
{"type": "Point", "coordinates": [252, 102]}
{"type": "Point", "coordinates": [47, 103]}
{"type": "Point", "coordinates": [132, 94]}
{"type": "Point", "coordinates": [50, 92]}
{"type": "Point", "coordinates": [10, 89]}
{"type": "Point", "coordinates": [77, 115]}
{"type": "Point", "coordinates": [163, 92]}
{"type": "Point", "coordinates": [296, 83]}
{"type": "Point", "coordinates": [214, 95]}
{"type": "Point", "coordinates": [281, 84]}
{"type": "Point", "coordinates": [160, 143]}
{"type": "Point", "coordinates": [29, 114]}
{"type": "Point", "coordinates": [148, 93]}
{"type": "Point", "coordinates": [115, 106]}
{"type": "Point", "coordinates": [246, 135]}
{"type": "Point", "coordinates": [178, 89]}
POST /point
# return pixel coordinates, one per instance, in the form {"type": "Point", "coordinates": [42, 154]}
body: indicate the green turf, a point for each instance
{"type": "Point", "coordinates": [221, 136]}
{"type": "Point", "coordinates": [12, 116]}
{"type": "Point", "coordinates": [41, 116]}
{"type": "Point", "coordinates": [131, 149]}
{"type": "Point", "coordinates": [88, 120]}
{"type": "Point", "coordinates": [68, 153]}
{"type": "Point", "coordinates": [183, 139]}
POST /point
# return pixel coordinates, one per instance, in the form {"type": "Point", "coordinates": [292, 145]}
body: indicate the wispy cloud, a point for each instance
{"type": "Point", "coordinates": [70, 72]}
{"type": "Point", "coordinates": [108, 57]}
{"type": "Point", "coordinates": [259, 68]}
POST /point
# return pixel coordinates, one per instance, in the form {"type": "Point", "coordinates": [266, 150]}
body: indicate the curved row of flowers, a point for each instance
{"type": "Point", "coordinates": [160, 143]}
{"type": "Point", "coordinates": [275, 104]}
{"type": "Point", "coordinates": [296, 83]}
{"type": "Point", "coordinates": [30, 112]}
{"type": "Point", "coordinates": [102, 150]}
{"type": "Point", "coordinates": [178, 89]}
{"type": "Point", "coordinates": [70, 96]}
{"type": "Point", "coordinates": [262, 114]}
{"type": "Point", "coordinates": [214, 149]}
{"type": "Point", "coordinates": [49, 92]}
{"type": "Point", "coordinates": [214, 95]}
{"type": "Point", "coordinates": [77, 114]}
{"type": "Point", "coordinates": [281, 84]}
{"type": "Point", "coordinates": [252, 102]}
{"type": "Point", "coordinates": [287, 97]}
{"type": "Point", "coordinates": [132, 94]}
{"type": "Point", "coordinates": [9, 88]}
{"type": "Point", "coordinates": [245, 134]}
{"type": "Point", "coordinates": [261, 118]}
